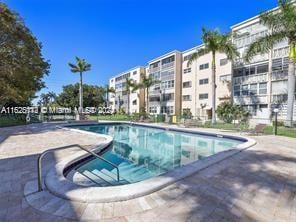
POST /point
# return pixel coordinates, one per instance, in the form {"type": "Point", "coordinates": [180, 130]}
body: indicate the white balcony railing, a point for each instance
{"type": "Point", "coordinates": [155, 69]}
{"type": "Point", "coordinates": [168, 65]}
{"type": "Point", "coordinates": [256, 99]}
{"type": "Point", "coordinates": [279, 75]}
{"type": "Point", "coordinates": [250, 79]}
{"type": "Point", "coordinates": [154, 92]}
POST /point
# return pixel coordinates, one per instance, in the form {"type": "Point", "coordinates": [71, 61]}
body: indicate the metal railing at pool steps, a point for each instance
{"type": "Point", "coordinates": [40, 188]}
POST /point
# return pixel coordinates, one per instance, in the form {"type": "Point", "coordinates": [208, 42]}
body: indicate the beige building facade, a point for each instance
{"type": "Point", "coordinates": [121, 99]}
{"type": "Point", "coordinates": [197, 80]}
{"type": "Point", "coordinates": [261, 85]}
{"type": "Point", "coordinates": [164, 96]}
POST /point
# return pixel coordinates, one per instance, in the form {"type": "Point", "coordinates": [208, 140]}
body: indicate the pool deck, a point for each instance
{"type": "Point", "coordinates": [257, 184]}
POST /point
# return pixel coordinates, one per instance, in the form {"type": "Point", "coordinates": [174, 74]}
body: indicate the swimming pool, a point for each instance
{"type": "Point", "coordinates": [142, 152]}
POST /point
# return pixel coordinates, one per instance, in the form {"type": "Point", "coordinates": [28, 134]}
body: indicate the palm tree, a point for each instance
{"type": "Point", "coordinates": [44, 99]}
{"type": "Point", "coordinates": [215, 42]}
{"type": "Point", "coordinates": [283, 26]}
{"type": "Point", "coordinates": [80, 67]}
{"type": "Point", "coordinates": [107, 91]}
{"type": "Point", "coordinates": [146, 83]}
{"type": "Point", "coordinates": [128, 85]}
{"type": "Point", "coordinates": [51, 96]}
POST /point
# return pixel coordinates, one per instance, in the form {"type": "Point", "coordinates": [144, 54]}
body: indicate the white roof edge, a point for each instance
{"type": "Point", "coordinates": [124, 72]}
{"type": "Point", "coordinates": [195, 47]}
{"type": "Point", "coordinates": [253, 18]}
{"type": "Point", "coordinates": [164, 55]}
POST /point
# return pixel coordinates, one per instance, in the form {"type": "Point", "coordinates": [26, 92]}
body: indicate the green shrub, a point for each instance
{"type": "Point", "coordinates": [229, 112]}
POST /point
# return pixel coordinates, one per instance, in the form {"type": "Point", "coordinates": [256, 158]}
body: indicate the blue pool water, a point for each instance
{"type": "Point", "coordinates": [143, 152]}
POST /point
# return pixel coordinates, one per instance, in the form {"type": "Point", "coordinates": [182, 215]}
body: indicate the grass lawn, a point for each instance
{"type": "Point", "coordinates": [11, 121]}
{"type": "Point", "coordinates": [111, 117]}
{"type": "Point", "coordinates": [281, 131]}
{"type": "Point", "coordinates": [219, 125]}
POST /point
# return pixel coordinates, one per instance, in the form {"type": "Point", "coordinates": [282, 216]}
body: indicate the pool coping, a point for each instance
{"type": "Point", "coordinates": [60, 186]}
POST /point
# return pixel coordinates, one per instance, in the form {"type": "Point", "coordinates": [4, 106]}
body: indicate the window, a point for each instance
{"type": "Point", "coordinates": [135, 102]}
{"type": "Point", "coordinates": [225, 78]}
{"type": "Point", "coordinates": [203, 81]}
{"type": "Point", "coordinates": [223, 62]}
{"type": "Point", "coordinates": [204, 66]}
{"type": "Point", "coordinates": [236, 90]}
{"type": "Point", "coordinates": [245, 90]}
{"type": "Point", "coordinates": [153, 109]}
{"type": "Point", "coordinates": [263, 88]}
{"type": "Point", "coordinates": [155, 75]}
{"type": "Point", "coordinates": [168, 97]}
{"type": "Point", "coordinates": [263, 106]}
{"type": "Point", "coordinates": [186, 98]}
{"type": "Point", "coordinates": [154, 65]}
{"type": "Point", "coordinates": [203, 96]}
{"type": "Point", "coordinates": [168, 60]}
{"type": "Point", "coordinates": [134, 72]}
{"type": "Point", "coordinates": [167, 109]}
{"type": "Point", "coordinates": [253, 89]}
{"type": "Point", "coordinates": [262, 68]}
{"type": "Point", "coordinates": [124, 76]}
{"type": "Point", "coordinates": [154, 99]}
{"type": "Point", "coordinates": [165, 75]}
{"type": "Point", "coordinates": [187, 84]}
{"type": "Point", "coordinates": [188, 70]}
{"type": "Point", "coordinates": [187, 57]}
{"type": "Point", "coordinates": [168, 84]}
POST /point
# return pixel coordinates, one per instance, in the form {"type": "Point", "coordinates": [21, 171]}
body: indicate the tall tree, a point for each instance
{"type": "Point", "coordinates": [44, 99]}
{"type": "Point", "coordinates": [108, 90]}
{"type": "Point", "coordinates": [22, 65]}
{"type": "Point", "coordinates": [80, 67]}
{"type": "Point", "coordinates": [129, 84]}
{"type": "Point", "coordinates": [145, 84]}
{"type": "Point", "coordinates": [69, 97]}
{"type": "Point", "coordinates": [51, 96]}
{"type": "Point", "coordinates": [282, 25]}
{"type": "Point", "coordinates": [215, 42]}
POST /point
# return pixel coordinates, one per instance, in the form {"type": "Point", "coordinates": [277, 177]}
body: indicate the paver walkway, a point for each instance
{"type": "Point", "coordinates": [258, 184]}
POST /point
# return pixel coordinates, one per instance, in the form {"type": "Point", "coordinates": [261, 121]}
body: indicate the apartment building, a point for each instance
{"type": "Point", "coordinates": [121, 99]}
{"type": "Point", "coordinates": [197, 79]}
{"type": "Point", "coordinates": [261, 85]}
{"type": "Point", "coordinates": [165, 96]}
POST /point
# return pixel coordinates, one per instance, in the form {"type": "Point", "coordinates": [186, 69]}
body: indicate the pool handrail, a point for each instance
{"type": "Point", "coordinates": [65, 147]}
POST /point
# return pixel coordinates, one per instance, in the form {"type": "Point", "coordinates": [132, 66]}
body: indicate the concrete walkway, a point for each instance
{"type": "Point", "coordinates": [258, 184]}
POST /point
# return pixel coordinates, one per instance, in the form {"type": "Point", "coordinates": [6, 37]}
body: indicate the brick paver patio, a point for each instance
{"type": "Point", "coordinates": [258, 184]}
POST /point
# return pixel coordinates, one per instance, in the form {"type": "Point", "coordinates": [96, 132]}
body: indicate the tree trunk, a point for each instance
{"type": "Point", "coordinates": [147, 101]}
{"type": "Point", "coordinates": [213, 88]}
{"type": "Point", "coordinates": [107, 98]}
{"type": "Point", "coordinates": [128, 103]}
{"type": "Point", "coordinates": [291, 92]}
{"type": "Point", "coordinates": [80, 94]}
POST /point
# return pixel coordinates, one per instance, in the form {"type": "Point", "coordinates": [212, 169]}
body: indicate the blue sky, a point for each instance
{"type": "Point", "coordinates": [117, 35]}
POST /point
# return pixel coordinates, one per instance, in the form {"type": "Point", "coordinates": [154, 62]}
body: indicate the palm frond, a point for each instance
{"type": "Point", "coordinates": [272, 20]}
{"type": "Point", "coordinates": [80, 66]}
{"type": "Point", "coordinates": [263, 45]}
{"type": "Point", "coordinates": [227, 47]}
{"type": "Point", "coordinates": [200, 52]}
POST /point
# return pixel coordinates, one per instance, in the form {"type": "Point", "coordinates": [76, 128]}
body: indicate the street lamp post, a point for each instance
{"type": "Point", "coordinates": [275, 124]}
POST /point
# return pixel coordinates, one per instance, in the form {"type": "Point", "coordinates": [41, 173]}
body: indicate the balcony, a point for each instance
{"type": "Point", "coordinates": [155, 69]}
{"type": "Point", "coordinates": [279, 75]}
{"type": "Point", "coordinates": [248, 100]}
{"type": "Point", "coordinates": [262, 77]}
{"type": "Point", "coordinates": [168, 65]}
{"type": "Point", "coordinates": [154, 92]}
